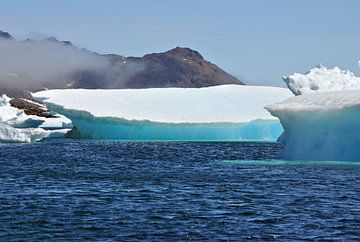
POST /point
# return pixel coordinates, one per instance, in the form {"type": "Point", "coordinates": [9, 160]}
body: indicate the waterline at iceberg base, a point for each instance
{"type": "Point", "coordinates": [220, 113]}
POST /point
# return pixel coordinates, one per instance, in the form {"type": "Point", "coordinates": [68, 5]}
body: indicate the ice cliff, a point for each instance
{"type": "Point", "coordinates": [17, 126]}
{"type": "Point", "coordinates": [321, 126]}
{"type": "Point", "coordinates": [227, 112]}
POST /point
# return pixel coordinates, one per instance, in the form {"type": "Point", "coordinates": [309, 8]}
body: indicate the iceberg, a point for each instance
{"type": "Point", "coordinates": [227, 112]}
{"type": "Point", "coordinates": [17, 126]}
{"type": "Point", "coordinates": [9, 134]}
{"type": "Point", "coordinates": [321, 79]}
{"type": "Point", "coordinates": [321, 126]}
{"type": "Point", "coordinates": [321, 122]}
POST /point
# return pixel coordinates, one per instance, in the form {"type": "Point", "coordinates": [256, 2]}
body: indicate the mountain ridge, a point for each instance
{"type": "Point", "coordinates": [6, 35]}
{"type": "Point", "coordinates": [178, 67]}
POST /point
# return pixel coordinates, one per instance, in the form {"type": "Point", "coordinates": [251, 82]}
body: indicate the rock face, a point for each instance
{"type": "Point", "coordinates": [179, 67]}
{"type": "Point", "coordinates": [31, 108]}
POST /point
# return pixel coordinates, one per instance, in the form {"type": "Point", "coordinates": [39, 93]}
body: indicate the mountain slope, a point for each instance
{"type": "Point", "coordinates": [179, 67]}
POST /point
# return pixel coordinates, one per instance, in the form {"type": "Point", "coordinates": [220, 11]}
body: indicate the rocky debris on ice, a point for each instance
{"type": "Point", "coordinates": [17, 126]}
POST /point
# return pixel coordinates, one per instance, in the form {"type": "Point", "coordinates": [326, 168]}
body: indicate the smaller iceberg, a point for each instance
{"type": "Point", "coordinates": [9, 134]}
{"type": "Point", "coordinates": [227, 112]}
{"type": "Point", "coordinates": [322, 79]}
{"type": "Point", "coordinates": [17, 126]}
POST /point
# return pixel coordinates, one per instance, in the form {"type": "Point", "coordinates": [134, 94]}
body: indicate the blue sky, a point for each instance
{"type": "Point", "coordinates": [256, 40]}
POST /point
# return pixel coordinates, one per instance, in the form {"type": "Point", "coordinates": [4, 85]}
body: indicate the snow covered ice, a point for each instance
{"type": "Point", "coordinates": [321, 123]}
{"type": "Point", "coordinates": [321, 79]}
{"type": "Point", "coordinates": [16, 126]}
{"type": "Point", "coordinates": [13, 135]}
{"type": "Point", "coordinates": [227, 112]}
{"type": "Point", "coordinates": [321, 126]}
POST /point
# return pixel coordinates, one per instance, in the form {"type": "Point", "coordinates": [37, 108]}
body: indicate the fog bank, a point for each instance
{"type": "Point", "coordinates": [35, 65]}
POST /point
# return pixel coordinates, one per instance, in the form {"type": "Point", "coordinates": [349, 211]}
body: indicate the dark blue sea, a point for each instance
{"type": "Point", "coordinates": [123, 191]}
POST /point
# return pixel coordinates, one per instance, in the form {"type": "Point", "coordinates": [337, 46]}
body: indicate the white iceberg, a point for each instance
{"type": "Point", "coordinates": [10, 134]}
{"type": "Point", "coordinates": [321, 79]}
{"type": "Point", "coordinates": [227, 112]}
{"type": "Point", "coordinates": [17, 126]}
{"type": "Point", "coordinates": [14, 135]}
{"type": "Point", "coordinates": [321, 123]}
{"type": "Point", "coordinates": [321, 126]}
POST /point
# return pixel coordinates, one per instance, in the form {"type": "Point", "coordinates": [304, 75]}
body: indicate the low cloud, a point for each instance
{"type": "Point", "coordinates": [34, 65]}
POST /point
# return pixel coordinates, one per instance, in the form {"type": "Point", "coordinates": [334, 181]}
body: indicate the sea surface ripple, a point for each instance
{"type": "Point", "coordinates": [129, 191]}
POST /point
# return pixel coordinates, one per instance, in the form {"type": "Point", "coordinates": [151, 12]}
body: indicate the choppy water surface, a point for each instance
{"type": "Point", "coordinates": [173, 191]}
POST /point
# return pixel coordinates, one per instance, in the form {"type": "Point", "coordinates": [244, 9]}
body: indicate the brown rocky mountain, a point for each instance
{"type": "Point", "coordinates": [179, 67]}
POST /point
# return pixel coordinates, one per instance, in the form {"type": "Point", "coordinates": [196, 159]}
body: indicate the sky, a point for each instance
{"type": "Point", "coordinates": [258, 41]}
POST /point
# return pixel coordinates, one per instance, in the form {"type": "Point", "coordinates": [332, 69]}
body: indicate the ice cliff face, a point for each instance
{"type": "Point", "coordinates": [17, 126]}
{"type": "Point", "coordinates": [321, 126]}
{"type": "Point", "coordinates": [321, 79]}
{"type": "Point", "coordinates": [228, 112]}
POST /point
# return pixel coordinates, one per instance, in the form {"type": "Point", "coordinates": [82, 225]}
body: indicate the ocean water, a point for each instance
{"type": "Point", "coordinates": [95, 190]}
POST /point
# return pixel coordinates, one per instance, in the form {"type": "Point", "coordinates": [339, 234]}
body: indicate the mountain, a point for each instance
{"type": "Point", "coordinates": [179, 67]}
{"type": "Point", "coordinates": [53, 39]}
{"type": "Point", "coordinates": [5, 35]}
{"type": "Point", "coordinates": [51, 63]}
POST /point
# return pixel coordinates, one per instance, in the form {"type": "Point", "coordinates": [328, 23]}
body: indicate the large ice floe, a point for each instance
{"type": "Point", "coordinates": [322, 79]}
{"type": "Point", "coordinates": [17, 126]}
{"type": "Point", "coordinates": [227, 112]}
{"type": "Point", "coordinates": [322, 125]}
